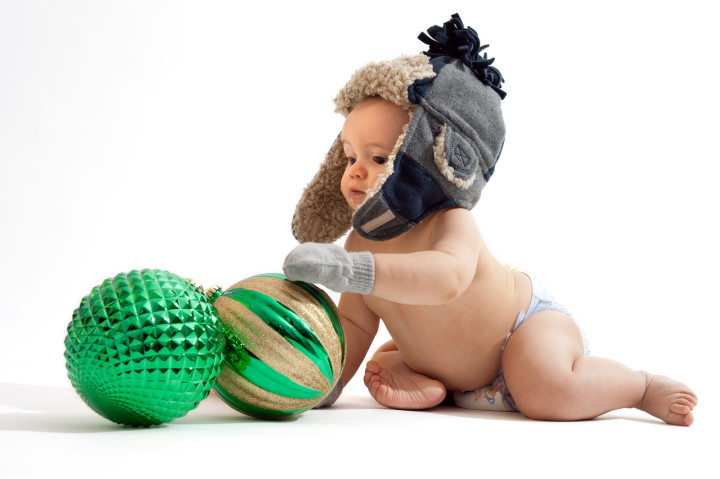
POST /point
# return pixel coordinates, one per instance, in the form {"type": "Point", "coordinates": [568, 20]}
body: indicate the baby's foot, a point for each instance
{"type": "Point", "coordinates": [402, 391]}
{"type": "Point", "coordinates": [668, 400]}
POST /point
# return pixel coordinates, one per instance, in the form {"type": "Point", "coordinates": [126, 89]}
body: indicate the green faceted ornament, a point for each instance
{"type": "Point", "coordinates": [144, 348]}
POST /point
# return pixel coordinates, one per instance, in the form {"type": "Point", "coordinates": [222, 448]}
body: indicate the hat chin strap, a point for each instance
{"type": "Point", "coordinates": [377, 222]}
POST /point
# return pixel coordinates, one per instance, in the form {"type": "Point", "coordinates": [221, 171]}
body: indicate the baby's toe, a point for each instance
{"type": "Point", "coordinates": [373, 367]}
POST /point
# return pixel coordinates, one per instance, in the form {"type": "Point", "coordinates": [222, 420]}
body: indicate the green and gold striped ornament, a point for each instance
{"type": "Point", "coordinates": [285, 348]}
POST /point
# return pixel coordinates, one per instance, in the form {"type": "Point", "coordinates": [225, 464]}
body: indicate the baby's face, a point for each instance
{"type": "Point", "coordinates": [369, 136]}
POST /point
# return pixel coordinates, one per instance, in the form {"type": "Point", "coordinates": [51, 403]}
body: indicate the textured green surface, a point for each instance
{"type": "Point", "coordinates": [144, 347]}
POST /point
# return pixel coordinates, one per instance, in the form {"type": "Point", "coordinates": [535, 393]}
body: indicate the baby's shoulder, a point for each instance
{"type": "Point", "coordinates": [453, 221]}
{"type": "Point", "coordinates": [408, 242]}
{"type": "Point", "coordinates": [354, 242]}
{"type": "Point", "coordinates": [454, 214]}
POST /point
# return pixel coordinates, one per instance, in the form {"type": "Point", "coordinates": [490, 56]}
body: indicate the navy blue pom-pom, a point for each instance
{"type": "Point", "coordinates": [453, 39]}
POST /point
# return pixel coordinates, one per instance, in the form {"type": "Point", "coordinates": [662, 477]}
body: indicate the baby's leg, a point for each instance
{"type": "Point", "coordinates": [550, 378]}
{"type": "Point", "coordinates": [393, 384]}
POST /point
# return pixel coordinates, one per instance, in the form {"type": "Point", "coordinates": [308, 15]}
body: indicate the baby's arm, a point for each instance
{"type": "Point", "coordinates": [360, 325]}
{"type": "Point", "coordinates": [433, 276]}
{"type": "Point", "coordinates": [439, 274]}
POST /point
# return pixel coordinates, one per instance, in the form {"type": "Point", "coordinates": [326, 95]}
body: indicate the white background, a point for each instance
{"type": "Point", "coordinates": [179, 136]}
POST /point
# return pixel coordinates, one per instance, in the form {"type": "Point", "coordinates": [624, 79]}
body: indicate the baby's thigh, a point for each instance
{"type": "Point", "coordinates": [539, 356]}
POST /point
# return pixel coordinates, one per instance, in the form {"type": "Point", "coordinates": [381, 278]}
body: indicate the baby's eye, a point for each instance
{"type": "Point", "coordinates": [379, 160]}
{"type": "Point", "coordinates": [351, 160]}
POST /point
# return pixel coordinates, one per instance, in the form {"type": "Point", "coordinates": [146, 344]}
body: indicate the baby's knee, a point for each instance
{"type": "Point", "coordinates": [552, 399]}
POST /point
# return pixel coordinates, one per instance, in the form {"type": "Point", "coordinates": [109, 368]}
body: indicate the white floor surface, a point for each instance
{"type": "Point", "coordinates": [48, 431]}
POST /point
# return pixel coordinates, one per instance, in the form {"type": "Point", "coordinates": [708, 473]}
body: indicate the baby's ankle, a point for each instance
{"type": "Point", "coordinates": [647, 377]}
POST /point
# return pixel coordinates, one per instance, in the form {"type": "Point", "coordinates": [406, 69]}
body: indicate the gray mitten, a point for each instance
{"type": "Point", "coordinates": [332, 266]}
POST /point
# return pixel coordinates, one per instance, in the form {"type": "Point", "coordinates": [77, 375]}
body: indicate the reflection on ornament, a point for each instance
{"type": "Point", "coordinates": [285, 347]}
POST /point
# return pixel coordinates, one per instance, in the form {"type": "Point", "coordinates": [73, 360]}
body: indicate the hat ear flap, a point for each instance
{"type": "Point", "coordinates": [323, 215]}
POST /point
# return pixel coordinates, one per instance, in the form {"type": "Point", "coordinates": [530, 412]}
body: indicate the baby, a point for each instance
{"type": "Point", "coordinates": [421, 138]}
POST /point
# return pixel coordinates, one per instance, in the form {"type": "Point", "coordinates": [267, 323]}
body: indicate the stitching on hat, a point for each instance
{"type": "Point", "coordinates": [441, 160]}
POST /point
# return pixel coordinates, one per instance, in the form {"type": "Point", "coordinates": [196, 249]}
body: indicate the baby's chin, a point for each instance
{"type": "Point", "coordinates": [354, 202]}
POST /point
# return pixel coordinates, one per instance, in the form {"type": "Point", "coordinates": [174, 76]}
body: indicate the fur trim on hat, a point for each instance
{"type": "Point", "coordinates": [388, 79]}
{"type": "Point", "coordinates": [323, 215]}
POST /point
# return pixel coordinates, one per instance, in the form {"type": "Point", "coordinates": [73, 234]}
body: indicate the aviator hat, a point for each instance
{"type": "Point", "coordinates": [443, 158]}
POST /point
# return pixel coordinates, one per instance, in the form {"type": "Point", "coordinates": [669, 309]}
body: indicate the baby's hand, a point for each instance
{"type": "Point", "coordinates": [331, 266]}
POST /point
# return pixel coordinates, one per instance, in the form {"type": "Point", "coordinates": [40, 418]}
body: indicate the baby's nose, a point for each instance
{"type": "Point", "coordinates": [358, 170]}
